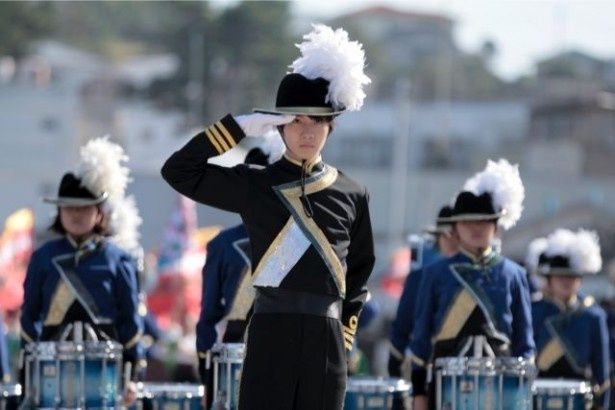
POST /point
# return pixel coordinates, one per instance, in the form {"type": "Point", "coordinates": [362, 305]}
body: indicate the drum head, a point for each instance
{"type": "Point", "coordinates": [376, 385]}
{"type": "Point", "coordinates": [171, 390]}
{"type": "Point", "coordinates": [561, 387]}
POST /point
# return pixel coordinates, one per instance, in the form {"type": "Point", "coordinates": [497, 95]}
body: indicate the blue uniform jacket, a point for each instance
{"type": "Point", "coordinates": [452, 290]}
{"type": "Point", "coordinates": [228, 262]}
{"type": "Point", "coordinates": [107, 273]}
{"type": "Point", "coordinates": [401, 328]}
{"type": "Point", "coordinates": [573, 342]}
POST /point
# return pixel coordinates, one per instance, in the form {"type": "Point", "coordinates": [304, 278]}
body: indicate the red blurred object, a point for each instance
{"type": "Point", "coordinates": [392, 282]}
{"type": "Point", "coordinates": [16, 246]}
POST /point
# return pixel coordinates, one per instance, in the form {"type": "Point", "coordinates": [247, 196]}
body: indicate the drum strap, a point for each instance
{"type": "Point", "coordinates": [66, 267]}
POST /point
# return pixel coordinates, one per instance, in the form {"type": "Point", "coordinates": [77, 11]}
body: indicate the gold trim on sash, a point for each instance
{"type": "Point", "coordinates": [323, 242]}
{"type": "Point", "coordinates": [457, 315]}
{"type": "Point", "coordinates": [61, 301]}
{"type": "Point", "coordinates": [550, 354]}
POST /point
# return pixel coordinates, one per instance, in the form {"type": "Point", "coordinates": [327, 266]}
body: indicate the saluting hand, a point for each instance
{"type": "Point", "coordinates": [257, 125]}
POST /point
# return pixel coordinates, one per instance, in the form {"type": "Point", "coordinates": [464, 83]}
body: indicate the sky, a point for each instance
{"type": "Point", "coordinates": [524, 31]}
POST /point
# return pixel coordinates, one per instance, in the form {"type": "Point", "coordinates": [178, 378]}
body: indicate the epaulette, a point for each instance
{"type": "Point", "coordinates": [588, 301]}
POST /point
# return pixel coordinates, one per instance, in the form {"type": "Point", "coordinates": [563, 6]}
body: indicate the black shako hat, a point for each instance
{"type": "Point", "coordinates": [72, 193]}
{"type": "Point", "coordinates": [443, 224]}
{"type": "Point", "coordinates": [299, 95]}
{"type": "Point", "coordinates": [471, 207]}
{"type": "Point", "coordinates": [556, 265]}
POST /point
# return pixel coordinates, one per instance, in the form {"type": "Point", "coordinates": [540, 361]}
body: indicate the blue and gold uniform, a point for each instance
{"type": "Point", "coordinates": [227, 298]}
{"type": "Point", "coordinates": [570, 330]}
{"type": "Point", "coordinates": [461, 297]}
{"type": "Point", "coordinates": [572, 342]}
{"type": "Point", "coordinates": [401, 328]}
{"type": "Point", "coordinates": [226, 271]}
{"type": "Point", "coordinates": [94, 282]}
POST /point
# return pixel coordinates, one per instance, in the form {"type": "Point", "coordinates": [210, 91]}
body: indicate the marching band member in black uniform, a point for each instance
{"type": "Point", "coordinates": [476, 292]}
{"type": "Point", "coordinates": [228, 294]}
{"type": "Point", "coordinates": [446, 246]}
{"type": "Point", "coordinates": [570, 329]}
{"type": "Point", "coordinates": [83, 276]}
{"type": "Point", "coordinates": [308, 224]}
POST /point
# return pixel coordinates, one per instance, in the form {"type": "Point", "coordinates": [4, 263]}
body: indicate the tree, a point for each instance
{"type": "Point", "coordinates": [21, 23]}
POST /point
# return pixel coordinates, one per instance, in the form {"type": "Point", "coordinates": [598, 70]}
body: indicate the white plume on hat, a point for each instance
{"type": "Point", "coordinates": [503, 182]}
{"type": "Point", "coordinates": [101, 169]}
{"type": "Point", "coordinates": [534, 250]}
{"type": "Point", "coordinates": [581, 248]}
{"type": "Point", "coordinates": [331, 55]}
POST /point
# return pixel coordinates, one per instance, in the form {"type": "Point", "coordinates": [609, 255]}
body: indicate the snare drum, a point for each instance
{"type": "Point", "coordinates": [366, 393]}
{"type": "Point", "coordinates": [70, 374]}
{"type": "Point", "coordinates": [483, 383]}
{"type": "Point", "coordinates": [165, 396]}
{"type": "Point", "coordinates": [10, 395]}
{"type": "Point", "coordinates": [561, 394]}
{"type": "Point", "coordinates": [228, 361]}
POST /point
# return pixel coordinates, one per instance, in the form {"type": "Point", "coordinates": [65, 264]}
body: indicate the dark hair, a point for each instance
{"type": "Point", "coordinates": [101, 228]}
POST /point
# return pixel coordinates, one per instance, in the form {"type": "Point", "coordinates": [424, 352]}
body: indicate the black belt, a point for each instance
{"type": "Point", "coordinates": [277, 300]}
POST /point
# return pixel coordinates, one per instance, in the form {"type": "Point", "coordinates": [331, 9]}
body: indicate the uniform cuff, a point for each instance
{"type": "Point", "coordinates": [225, 134]}
{"type": "Point", "coordinates": [419, 380]}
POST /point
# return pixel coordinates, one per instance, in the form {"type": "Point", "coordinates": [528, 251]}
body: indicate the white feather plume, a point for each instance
{"type": "Point", "coordinates": [503, 182]}
{"type": "Point", "coordinates": [581, 248]}
{"type": "Point", "coordinates": [536, 248]}
{"type": "Point", "coordinates": [585, 256]}
{"type": "Point", "coordinates": [329, 54]}
{"type": "Point", "coordinates": [124, 222]}
{"type": "Point", "coordinates": [101, 168]}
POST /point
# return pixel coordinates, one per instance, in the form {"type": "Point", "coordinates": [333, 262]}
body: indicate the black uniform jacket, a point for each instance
{"type": "Point", "coordinates": [308, 224]}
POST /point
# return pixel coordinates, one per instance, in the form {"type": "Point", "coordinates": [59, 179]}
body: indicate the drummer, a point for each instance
{"type": "Point", "coordinates": [226, 274]}
{"type": "Point", "coordinates": [476, 292]}
{"type": "Point", "coordinates": [570, 329]}
{"type": "Point", "coordinates": [82, 276]}
{"type": "Point", "coordinates": [445, 246]}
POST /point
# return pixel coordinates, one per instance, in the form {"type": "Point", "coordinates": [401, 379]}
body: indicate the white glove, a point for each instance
{"type": "Point", "coordinates": [257, 124]}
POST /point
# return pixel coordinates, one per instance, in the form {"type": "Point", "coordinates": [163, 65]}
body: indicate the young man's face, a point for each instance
{"type": "Point", "coordinates": [79, 221]}
{"type": "Point", "coordinates": [474, 235]}
{"type": "Point", "coordinates": [564, 287]}
{"type": "Point", "coordinates": [305, 137]}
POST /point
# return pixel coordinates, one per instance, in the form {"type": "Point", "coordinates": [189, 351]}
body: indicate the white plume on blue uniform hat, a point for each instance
{"type": "Point", "coordinates": [330, 54]}
{"type": "Point", "coordinates": [502, 181]}
{"type": "Point", "coordinates": [102, 169]}
{"type": "Point", "coordinates": [534, 250]}
{"type": "Point", "coordinates": [581, 249]}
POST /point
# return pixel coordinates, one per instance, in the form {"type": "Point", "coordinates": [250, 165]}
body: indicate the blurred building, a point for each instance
{"type": "Point", "coordinates": [408, 36]}
{"type": "Point", "coordinates": [583, 123]}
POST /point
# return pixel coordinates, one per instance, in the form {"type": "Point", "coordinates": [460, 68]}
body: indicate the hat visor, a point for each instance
{"type": "Point", "coordinates": [69, 201]}
{"type": "Point", "coordinates": [309, 111]}
{"type": "Point", "coordinates": [473, 217]}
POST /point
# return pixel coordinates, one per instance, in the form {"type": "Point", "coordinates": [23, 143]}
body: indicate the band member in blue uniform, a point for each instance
{"type": "Point", "coordinates": [445, 246]}
{"type": "Point", "coordinates": [570, 329]}
{"type": "Point", "coordinates": [308, 224]}
{"type": "Point", "coordinates": [83, 276]}
{"type": "Point", "coordinates": [476, 292]}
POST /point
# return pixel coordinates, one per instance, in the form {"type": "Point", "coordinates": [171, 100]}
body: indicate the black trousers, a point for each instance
{"type": "Point", "coordinates": [293, 362]}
